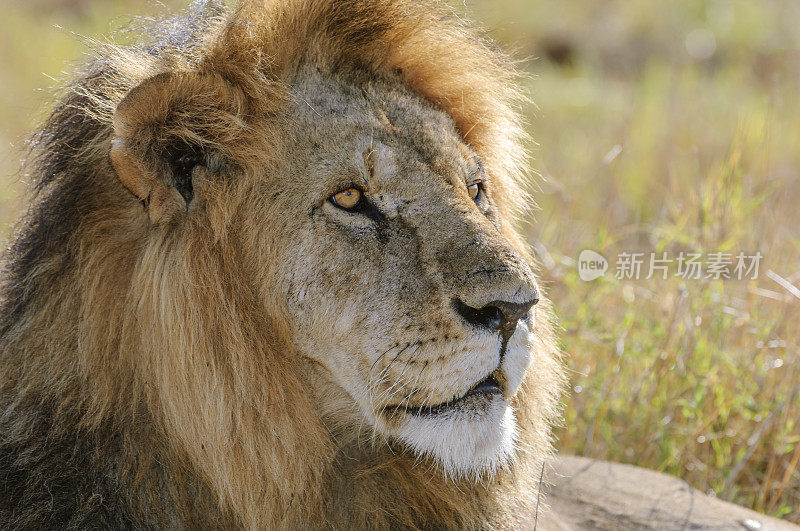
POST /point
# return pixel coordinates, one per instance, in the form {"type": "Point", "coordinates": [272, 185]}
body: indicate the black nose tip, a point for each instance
{"type": "Point", "coordinates": [501, 316]}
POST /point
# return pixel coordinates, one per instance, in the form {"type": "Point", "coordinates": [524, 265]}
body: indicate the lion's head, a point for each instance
{"type": "Point", "coordinates": [400, 283]}
{"type": "Point", "coordinates": [296, 231]}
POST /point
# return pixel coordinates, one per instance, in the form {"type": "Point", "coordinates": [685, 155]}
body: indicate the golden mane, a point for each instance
{"type": "Point", "coordinates": [141, 385]}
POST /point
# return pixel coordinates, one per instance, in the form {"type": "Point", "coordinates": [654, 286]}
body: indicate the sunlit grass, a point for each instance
{"type": "Point", "coordinates": [649, 139]}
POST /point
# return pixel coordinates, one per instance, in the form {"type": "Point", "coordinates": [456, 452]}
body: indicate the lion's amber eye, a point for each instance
{"type": "Point", "coordinates": [346, 199]}
{"type": "Point", "coordinates": [474, 190]}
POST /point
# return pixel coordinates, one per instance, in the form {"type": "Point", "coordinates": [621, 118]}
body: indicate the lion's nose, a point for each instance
{"type": "Point", "coordinates": [501, 316]}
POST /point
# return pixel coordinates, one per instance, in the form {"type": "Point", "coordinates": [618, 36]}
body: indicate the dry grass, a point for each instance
{"type": "Point", "coordinates": [698, 378]}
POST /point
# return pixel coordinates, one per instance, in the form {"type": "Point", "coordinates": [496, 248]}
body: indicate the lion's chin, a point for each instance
{"type": "Point", "coordinates": [475, 440]}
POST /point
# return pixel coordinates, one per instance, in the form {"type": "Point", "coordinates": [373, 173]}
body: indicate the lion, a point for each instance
{"type": "Point", "coordinates": [270, 279]}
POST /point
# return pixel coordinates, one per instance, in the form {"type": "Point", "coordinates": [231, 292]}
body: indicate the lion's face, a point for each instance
{"type": "Point", "coordinates": [400, 284]}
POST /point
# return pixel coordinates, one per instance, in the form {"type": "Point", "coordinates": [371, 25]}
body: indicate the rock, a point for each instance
{"type": "Point", "coordinates": [589, 494]}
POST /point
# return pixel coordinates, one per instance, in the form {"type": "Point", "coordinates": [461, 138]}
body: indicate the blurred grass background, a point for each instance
{"type": "Point", "coordinates": [660, 126]}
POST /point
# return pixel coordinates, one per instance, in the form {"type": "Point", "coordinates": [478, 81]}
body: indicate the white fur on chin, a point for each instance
{"type": "Point", "coordinates": [465, 444]}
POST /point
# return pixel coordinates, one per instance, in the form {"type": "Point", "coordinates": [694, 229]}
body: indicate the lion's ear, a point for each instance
{"type": "Point", "coordinates": [161, 200]}
{"type": "Point", "coordinates": [155, 148]}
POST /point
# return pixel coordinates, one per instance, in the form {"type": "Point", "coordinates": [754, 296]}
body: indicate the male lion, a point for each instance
{"type": "Point", "coordinates": [269, 280]}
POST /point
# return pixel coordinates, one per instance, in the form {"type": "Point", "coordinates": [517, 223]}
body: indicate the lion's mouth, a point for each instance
{"type": "Point", "coordinates": [480, 394]}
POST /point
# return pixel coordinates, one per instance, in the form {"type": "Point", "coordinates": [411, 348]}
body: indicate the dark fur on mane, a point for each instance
{"type": "Point", "coordinates": [52, 473]}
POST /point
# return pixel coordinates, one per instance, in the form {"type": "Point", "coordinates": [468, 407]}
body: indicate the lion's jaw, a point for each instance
{"type": "Point", "coordinates": [478, 434]}
{"type": "Point", "coordinates": [471, 434]}
{"type": "Point", "coordinates": [376, 303]}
